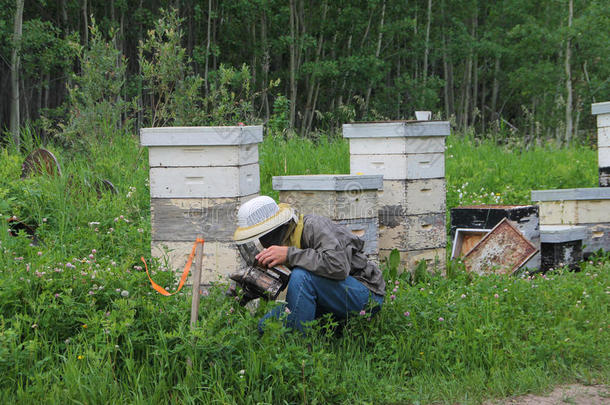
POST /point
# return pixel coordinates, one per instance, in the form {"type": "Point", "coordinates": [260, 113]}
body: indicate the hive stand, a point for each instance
{"type": "Point", "coordinates": [410, 155]}
{"type": "Point", "coordinates": [345, 199]}
{"type": "Point", "coordinates": [199, 176]}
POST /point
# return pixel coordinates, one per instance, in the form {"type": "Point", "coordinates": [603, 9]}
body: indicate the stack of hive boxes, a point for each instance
{"type": "Point", "coordinates": [589, 207]}
{"type": "Point", "coordinates": [602, 110]}
{"type": "Point", "coordinates": [345, 199]}
{"type": "Point", "coordinates": [199, 176]}
{"type": "Point", "coordinates": [410, 155]}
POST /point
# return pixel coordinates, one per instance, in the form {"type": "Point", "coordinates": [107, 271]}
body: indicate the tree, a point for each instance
{"type": "Point", "coordinates": [15, 62]}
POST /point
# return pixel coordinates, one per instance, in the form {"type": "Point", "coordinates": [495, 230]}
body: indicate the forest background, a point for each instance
{"type": "Point", "coordinates": [528, 69]}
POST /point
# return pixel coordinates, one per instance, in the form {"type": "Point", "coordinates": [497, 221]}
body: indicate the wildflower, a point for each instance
{"type": "Point", "coordinates": [67, 341]}
{"type": "Point", "coordinates": [91, 256]}
{"type": "Point", "coordinates": [396, 282]}
{"type": "Point", "coordinates": [362, 313]}
{"type": "Point", "coordinates": [39, 253]}
{"type": "Point", "coordinates": [506, 290]}
{"type": "Point", "coordinates": [116, 219]}
{"type": "Point", "coordinates": [91, 292]}
{"type": "Point", "coordinates": [205, 293]}
{"type": "Point", "coordinates": [287, 310]}
{"type": "Point", "coordinates": [122, 217]}
{"type": "Point", "coordinates": [93, 251]}
{"type": "Point", "coordinates": [241, 373]}
{"type": "Point", "coordinates": [44, 220]}
{"type": "Point", "coordinates": [84, 326]}
{"type": "Point", "coordinates": [93, 223]}
{"type": "Point", "coordinates": [113, 263]}
{"type": "Point", "coordinates": [56, 295]}
{"type": "Point", "coordinates": [496, 296]}
{"type": "Point", "coordinates": [463, 295]}
{"type": "Point", "coordinates": [392, 297]}
{"type": "Point", "coordinates": [80, 357]}
{"type": "Point", "coordinates": [441, 319]}
{"type": "Point", "coordinates": [34, 326]}
{"type": "Point", "coordinates": [407, 313]}
{"type": "Point", "coordinates": [107, 314]}
{"type": "Point", "coordinates": [125, 293]}
{"type": "Point", "coordinates": [395, 289]}
{"type": "Point", "coordinates": [231, 310]}
{"type": "Point", "coordinates": [140, 230]}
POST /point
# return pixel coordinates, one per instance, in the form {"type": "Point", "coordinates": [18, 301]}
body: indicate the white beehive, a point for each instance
{"type": "Point", "coordinates": [345, 199]}
{"type": "Point", "coordinates": [602, 110]}
{"type": "Point", "coordinates": [589, 207]}
{"type": "Point", "coordinates": [199, 176]}
{"type": "Point", "coordinates": [411, 157]}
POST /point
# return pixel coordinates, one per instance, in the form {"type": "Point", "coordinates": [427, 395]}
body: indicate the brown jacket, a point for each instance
{"type": "Point", "coordinates": [332, 251]}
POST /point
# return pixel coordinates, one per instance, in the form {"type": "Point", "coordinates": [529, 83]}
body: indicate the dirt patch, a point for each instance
{"type": "Point", "coordinates": [566, 394]}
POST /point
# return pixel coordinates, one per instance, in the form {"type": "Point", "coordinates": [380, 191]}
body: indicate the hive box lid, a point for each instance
{"type": "Point", "coordinates": [562, 233]}
{"type": "Point", "coordinates": [201, 136]}
{"type": "Point", "coordinates": [390, 129]}
{"type": "Point", "coordinates": [596, 193]}
{"type": "Point", "coordinates": [328, 182]}
{"type": "Point", "coordinates": [600, 108]}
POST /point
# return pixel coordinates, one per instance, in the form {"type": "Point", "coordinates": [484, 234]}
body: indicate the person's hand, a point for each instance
{"type": "Point", "coordinates": [272, 256]}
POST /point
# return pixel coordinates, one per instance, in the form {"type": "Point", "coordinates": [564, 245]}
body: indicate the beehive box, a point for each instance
{"type": "Point", "coordinates": [589, 207]}
{"type": "Point", "coordinates": [525, 217]}
{"type": "Point", "coordinates": [410, 155]}
{"type": "Point", "coordinates": [199, 176]}
{"type": "Point", "coordinates": [561, 245]}
{"type": "Point", "coordinates": [345, 199]}
{"type": "Point", "coordinates": [602, 110]}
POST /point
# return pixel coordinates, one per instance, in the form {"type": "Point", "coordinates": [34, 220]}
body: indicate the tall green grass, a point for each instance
{"type": "Point", "coordinates": [79, 322]}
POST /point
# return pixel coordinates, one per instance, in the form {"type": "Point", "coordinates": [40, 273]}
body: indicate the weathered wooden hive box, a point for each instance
{"type": "Point", "coordinates": [346, 199]}
{"type": "Point", "coordinates": [524, 217]}
{"type": "Point", "coordinates": [199, 176]}
{"type": "Point", "coordinates": [602, 110]}
{"type": "Point", "coordinates": [589, 207]}
{"type": "Point", "coordinates": [410, 155]}
{"type": "Point", "coordinates": [561, 245]}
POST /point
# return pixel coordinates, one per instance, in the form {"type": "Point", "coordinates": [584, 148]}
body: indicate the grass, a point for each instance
{"type": "Point", "coordinates": [79, 322]}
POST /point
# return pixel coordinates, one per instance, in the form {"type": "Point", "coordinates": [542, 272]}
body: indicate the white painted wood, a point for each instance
{"type": "Point", "coordinates": [202, 156]}
{"type": "Point", "coordinates": [596, 193]}
{"type": "Point", "coordinates": [562, 233]}
{"type": "Point", "coordinates": [603, 137]}
{"type": "Point", "coordinates": [199, 136]}
{"type": "Point", "coordinates": [603, 159]}
{"type": "Point", "coordinates": [574, 212]}
{"type": "Point", "coordinates": [335, 205]}
{"type": "Point", "coordinates": [220, 259]}
{"type": "Point", "coordinates": [402, 145]}
{"type": "Point", "coordinates": [204, 182]}
{"type": "Point", "coordinates": [400, 167]}
{"type": "Point", "coordinates": [396, 129]}
{"type": "Point", "coordinates": [603, 120]}
{"type": "Point", "coordinates": [558, 212]}
{"type": "Point", "coordinates": [413, 232]}
{"type": "Point", "coordinates": [598, 237]}
{"type": "Point", "coordinates": [328, 182]}
{"type": "Point", "coordinates": [600, 108]}
{"type": "Point", "coordinates": [412, 197]}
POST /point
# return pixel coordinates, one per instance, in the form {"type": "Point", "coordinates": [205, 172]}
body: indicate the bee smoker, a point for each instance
{"type": "Point", "coordinates": [256, 280]}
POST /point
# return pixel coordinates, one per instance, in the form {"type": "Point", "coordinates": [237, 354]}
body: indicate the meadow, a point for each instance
{"type": "Point", "coordinates": [79, 322]}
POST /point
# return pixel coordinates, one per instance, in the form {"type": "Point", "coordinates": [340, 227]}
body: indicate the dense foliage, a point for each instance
{"type": "Point", "coordinates": [530, 68]}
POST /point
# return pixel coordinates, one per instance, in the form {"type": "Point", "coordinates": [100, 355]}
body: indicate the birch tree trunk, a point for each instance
{"type": "Point", "coordinates": [15, 62]}
{"type": "Point", "coordinates": [207, 49]}
{"type": "Point", "coordinates": [293, 57]}
{"type": "Point", "coordinates": [427, 50]}
{"type": "Point", "coordinates": [377, 53]}
{"type": "Point", "coordinates": [569, 95]}
{"type": "Point", "coordinates": [85, 24]}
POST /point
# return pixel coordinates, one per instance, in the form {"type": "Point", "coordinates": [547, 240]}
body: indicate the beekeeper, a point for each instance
{"type": "Point", "coordinates": [330, 272]}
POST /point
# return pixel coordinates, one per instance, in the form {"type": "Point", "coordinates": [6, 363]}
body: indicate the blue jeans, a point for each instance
{"type": "Point", "coordinates": [310, 296]}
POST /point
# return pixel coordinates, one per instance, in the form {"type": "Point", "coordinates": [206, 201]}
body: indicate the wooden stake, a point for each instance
{"type": "Point", "coordinates": [196, 294]}
{"type": "Point", "coordinates": [196, 282]}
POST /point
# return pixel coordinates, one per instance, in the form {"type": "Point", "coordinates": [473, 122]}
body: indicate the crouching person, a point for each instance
{"type": "Point", "coordinates": [329, 271]}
